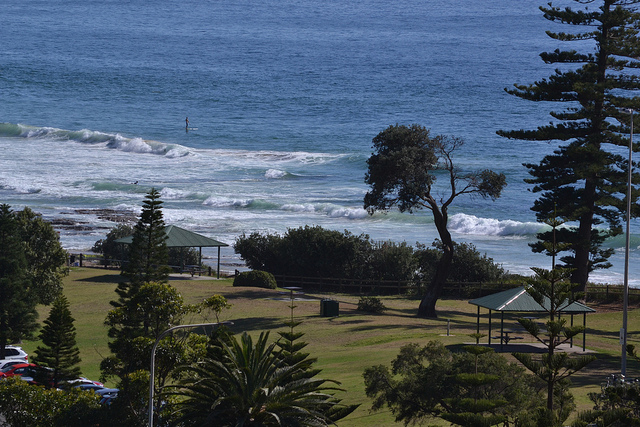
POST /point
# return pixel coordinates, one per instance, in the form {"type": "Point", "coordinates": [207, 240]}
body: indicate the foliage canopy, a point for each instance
{"type": "Point", "coordinates": [59, 350]}
{"type": "Point", "coordinates": [243, 382]}
{"type": "Point", "coordinates": [584, 182]}
{"type": "Point", "coordinates": [402, 173]}
{"type": "Point", "coordinates": [431, 381]}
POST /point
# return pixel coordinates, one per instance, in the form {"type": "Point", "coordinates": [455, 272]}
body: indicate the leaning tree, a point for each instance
{"type": "Point", "coordinates": [584, 181]}
{"type": "Point", "coordinates": [402, 173]}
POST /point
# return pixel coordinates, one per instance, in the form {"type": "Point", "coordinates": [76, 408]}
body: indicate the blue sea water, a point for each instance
{"type": "Point", "coordinates": [285, 97]}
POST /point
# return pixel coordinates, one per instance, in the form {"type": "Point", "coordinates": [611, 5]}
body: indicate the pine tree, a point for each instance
{"type": "Point", "coordinates": [478, 409]}
{"type": "Point", "coordinates": [292, 355]}
{"type": "Point", "coordinates": [147, 264]}
{"type": "Point", "coordinates": [553, 290]}
{"type": "Point", "coordinates": [17, 306]}
{"type": "Point", "coordinates": [60, 352]}
{"type": "Point", "coordinates": [585, 178]}
{"type": "Point", "coordinates": [148, 253]}
{"type": "Point", "coordinates": [145, 307]}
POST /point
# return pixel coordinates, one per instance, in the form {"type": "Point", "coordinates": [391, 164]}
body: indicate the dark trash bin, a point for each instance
{"type": "Point", "coordinates": [329, 308]}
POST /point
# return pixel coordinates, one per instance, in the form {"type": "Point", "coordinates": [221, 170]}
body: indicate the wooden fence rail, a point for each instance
{"type": "Point", "coordinates": [385, 287]}
{"type": "Point", "coordinates": [451, 289]}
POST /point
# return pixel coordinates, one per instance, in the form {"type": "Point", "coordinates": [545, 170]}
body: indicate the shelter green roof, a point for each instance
{"type": "Point", "coordinates": [180, 238]}
{"type": "Point", "coordinates": [518, 299]}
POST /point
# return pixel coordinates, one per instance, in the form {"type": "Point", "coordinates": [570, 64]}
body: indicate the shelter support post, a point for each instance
{"type": "Point", "coordinates": [218, 269]}
{"type": "Point", "coordinates": [501, 329]}
{"type": "Point", "coordinates": [584, 331]}
{"type": "Point", "coordinates": [571, 340]}
{"type": "Point", "coordinates": [489, 327]}
{"type": "Point", "coordinates": [478, 321]}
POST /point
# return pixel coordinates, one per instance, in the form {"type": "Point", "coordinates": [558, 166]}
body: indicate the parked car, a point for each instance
{"type": "Point", "coordinates": [12, 352]}
{"type": "Point", "coordinates": [107, 391]}
{"type": "Point", "coordinates": [18, 369]}
{"type": "Point", "coordinates": [9, 362]}
{"type": "Point", "coordinates": [87, 387]}
{"type": "Point", "coordinates": [30, 372]}
{"type": "Point", "coordinates": [106, 400]}
{"type": "Point", "coordinates": [107, 395]}
{"type": "Point", "coordinates": [82, 381]}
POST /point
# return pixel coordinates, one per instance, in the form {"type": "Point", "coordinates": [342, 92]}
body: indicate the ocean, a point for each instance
{"type": "Point", "coordinates": [283, 98]}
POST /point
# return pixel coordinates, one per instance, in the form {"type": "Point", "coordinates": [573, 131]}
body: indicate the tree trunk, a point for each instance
{"type": "Point", "coordinates": [427, 306]}
{"type": "Point", "coordinates": [580, 275]}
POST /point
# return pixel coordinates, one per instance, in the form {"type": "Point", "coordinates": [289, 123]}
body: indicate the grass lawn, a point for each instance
{"type": "Point", "coordinates": [343, 345]}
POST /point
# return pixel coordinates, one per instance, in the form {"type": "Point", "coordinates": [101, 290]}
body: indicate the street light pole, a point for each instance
{"type": "Point", "coordinates": [153, 358]}
{"type": "Point", "coordinates": [625, 304]}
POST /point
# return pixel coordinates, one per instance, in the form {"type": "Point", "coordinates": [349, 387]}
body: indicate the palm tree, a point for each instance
{"type": "Point", "coordinates": [242, 384]}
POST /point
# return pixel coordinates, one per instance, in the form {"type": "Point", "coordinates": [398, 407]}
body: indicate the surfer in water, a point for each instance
{"type": "Point", "coordinates": [186, 124]}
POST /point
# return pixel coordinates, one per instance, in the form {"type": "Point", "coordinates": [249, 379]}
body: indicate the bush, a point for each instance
{"type": "Point", "coordinates": [468, 264]}
{"type": "Point", "coordinates": [307, 251]}
{"type": "Point", "coordinates": [108, 247]}
{"type": "Point", "coordinates": [371, 305]}
{"type": "Point", "coordinates": [256, 279]}
{"type": "Point", "coordinates": [23, 404]}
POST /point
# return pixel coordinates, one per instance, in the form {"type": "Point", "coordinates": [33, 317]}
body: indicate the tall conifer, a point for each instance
{"type": "Point", "coordinates": [147, 264]}
{"type": "Point", "coordinates": [149, 255]}
{"type": "Point", "coordinates": [584, 180]}
{"type": "Point", "coordinates": [59, 351]}
{"type": "Point", "coordinates": [17, 307]}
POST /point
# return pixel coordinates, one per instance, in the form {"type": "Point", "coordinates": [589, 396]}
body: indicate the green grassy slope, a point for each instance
{"type": "Point", "coordinates": [344, 345]}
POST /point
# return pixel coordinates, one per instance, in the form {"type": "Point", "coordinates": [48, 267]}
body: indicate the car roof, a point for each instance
{"type": "Point", "coordinates": [11, 368]}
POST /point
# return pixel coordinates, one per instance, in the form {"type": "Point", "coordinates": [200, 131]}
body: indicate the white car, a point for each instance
{"type": "Point", "coordinates": [12, 352]}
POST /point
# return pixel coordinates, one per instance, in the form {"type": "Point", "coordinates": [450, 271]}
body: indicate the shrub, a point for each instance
{"type": "Point", "coordinates": [23, 404]}
{"type": "Point", "coordinates": [371, 305]}
{"type": "Point", "coordinates": [468, 264]}
{"type": "Point", "coordinates": [306, 251]}
{"type": "Point", "coordinates": [256, 279]}
{"type": "Point", "coordinates": [108, 247]}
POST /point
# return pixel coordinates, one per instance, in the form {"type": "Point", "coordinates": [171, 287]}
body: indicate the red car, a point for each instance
{"type": "Point", "coordinates": [21, 369]}
{"type": "Point", "coordinates": [29, 372]}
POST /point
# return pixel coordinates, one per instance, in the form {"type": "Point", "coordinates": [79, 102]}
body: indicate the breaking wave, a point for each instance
{"type": "Point", "coordinates": [472, 225]}
{"type": "Point", "coordinates": [110, 140]}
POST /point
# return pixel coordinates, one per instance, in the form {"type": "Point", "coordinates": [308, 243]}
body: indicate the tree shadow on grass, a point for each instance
{"type": "Point", "coordinates": [105, 278]}
{"type": "Point", "coordinates": [247, 324]}
{"type": "Point", "coordinates": [595, 373]}
{"type": "Point", "coordinates": [251, 293]}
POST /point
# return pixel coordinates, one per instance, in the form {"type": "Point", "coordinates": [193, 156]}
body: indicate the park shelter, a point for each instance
{"type": "Point", "coordinates": [180, 238]}
{"type": "Point", "coordinates": [518, 300]}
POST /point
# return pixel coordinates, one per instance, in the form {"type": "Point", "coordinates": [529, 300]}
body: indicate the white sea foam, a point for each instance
{"type": "Point", "coordinates": [470, 224]}
{"type": "Point", "coordinates": [221, 201]}
{"type": "Point", "coordinates": [330, 210]}
{"type": "Point", "coordinates": [110, 140]}
{"type": "Point", "coordinates": [172, 194]}
{"type": "Point", "coordinates": [26, 188]}
{"type": "Point", "coordinates": [299, 207]}
{"type": "Point", "coordinates": [344, 212]}
{"type": "Point", "coordinates": [135, 145]}
{"type": "Point", "coordinates": [275, 174]}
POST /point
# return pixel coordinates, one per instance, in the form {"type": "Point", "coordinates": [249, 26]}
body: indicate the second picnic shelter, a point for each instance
{"type": "Point", "coordinates": [518, 300]}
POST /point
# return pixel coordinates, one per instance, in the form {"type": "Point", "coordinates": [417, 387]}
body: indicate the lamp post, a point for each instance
{"type": "Point", "coordinates": [625, 304]}
{"type": "Point", "coordinates": [153, 358]}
